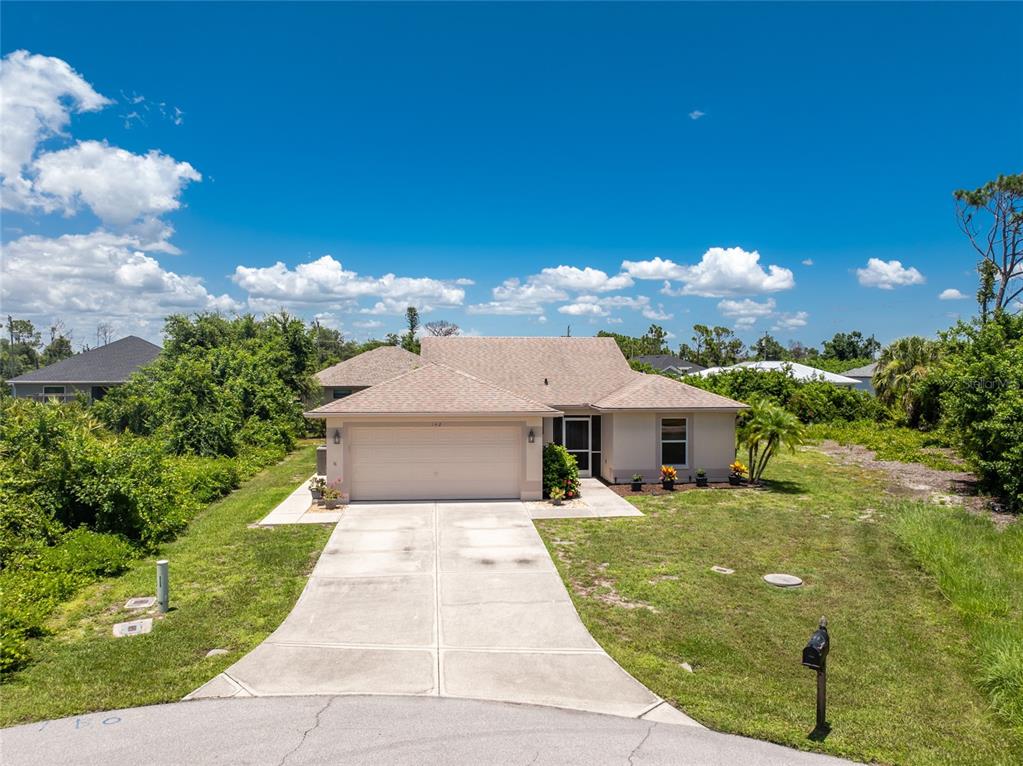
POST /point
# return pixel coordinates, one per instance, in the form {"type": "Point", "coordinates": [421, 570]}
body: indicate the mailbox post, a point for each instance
{"type": "Point", "coordinates": [815, 655]}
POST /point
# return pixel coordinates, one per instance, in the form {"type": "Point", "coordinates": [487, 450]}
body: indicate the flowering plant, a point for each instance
{"type": "Point", "coordinates": [738, 469]}
{"type": "Point", "coordinates": [557, 494]}
{"type": "Point", "coordinates": [668, 473]}
{"type": "Point", "coordinates": [332, 491]}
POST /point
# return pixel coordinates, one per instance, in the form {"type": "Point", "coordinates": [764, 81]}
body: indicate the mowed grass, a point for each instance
{"type": "Point", "coordinates": [230, 586]}
{"type": "Point", "coordinates": [901, 683]}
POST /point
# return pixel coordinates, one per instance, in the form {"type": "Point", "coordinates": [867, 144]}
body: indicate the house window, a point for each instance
{"type": "Point", "coordinates": [53, 390]}
{"type": "Point", "coordinates": [674, 442]}
{"type": "Point", "coordinates": [341, 393]}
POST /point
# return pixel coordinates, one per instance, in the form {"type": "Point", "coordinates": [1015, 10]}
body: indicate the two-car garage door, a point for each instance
{"type": "Point", "coordinates": [435, 462]}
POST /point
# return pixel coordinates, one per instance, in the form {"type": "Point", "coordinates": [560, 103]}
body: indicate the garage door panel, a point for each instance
{"type": "Point", "coordinates": [435, 463]}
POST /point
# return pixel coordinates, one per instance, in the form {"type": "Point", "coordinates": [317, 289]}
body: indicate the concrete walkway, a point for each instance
{"type": "Point", "coordinates": [441, 599]}
{"type": "Point", "coordinates": [298, 508]}
{"type": "Point", "coordinates": [596, 501]}
{"type": "Point", "coordinates": [389, 731]}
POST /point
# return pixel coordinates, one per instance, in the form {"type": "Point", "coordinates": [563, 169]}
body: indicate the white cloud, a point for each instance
{"type": "Point", "coordinates": [657, 314]}
{"type": "Point", "coordinates": [326, 282]}
{"type": "Point", "coordinates": [696, 114]}
{"type": "Point", "coordinates": [791, 321]}
{"type": "Point", "coordinates": [807, 261]}
{"type": "Point", "coordinates": [88, 277]}
{"type": "Point", "coordinates": [721, 272]}
{"type": "Point", "coordinates": [951, 294]}
{"type": "Point", "coordinates": [119, 187]}
{"type": "Point", "coordinates": [746, 312]}
{"type": "Point", "coordinates": [37, 96]}
{"type": "Point", "coordinates": [587, 279]}
{"type": "Point", "coordinates": [888, 274]}
{"type": "Point", "coordinates": [583, 308]}
{"type": "Point", "coordinates": [515, 297]}
{"type": "Point", "coordinates": [599, 306]}
{"type": "Point", "coordinates": [368, 324]}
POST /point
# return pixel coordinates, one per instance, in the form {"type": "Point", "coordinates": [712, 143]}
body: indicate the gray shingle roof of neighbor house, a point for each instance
{"type": "Point", "coordinates": [433, 389]}
{"type": "Point", "coordinates": [557, 371]}
{"type": "Point", "coordinates": [866, 371]}
{"type": "Point", "coordinates": [370, 367]}
{"type": "Point", "coordinates": [664, 361]}
{"type": "Point", "coordinates": [656, 392]}
{"type": "Point", "coordinates": [112, 363]}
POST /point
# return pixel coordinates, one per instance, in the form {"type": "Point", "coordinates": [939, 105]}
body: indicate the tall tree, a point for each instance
{"type": "Point", "coordinates": [846, 346]}
{"type": "Point", "coordinates": [653, 340]}
{"type": "Point", "coordinates": [901, 368]}
{"type": "Point", "coordinates": [712, 346]}
{"type": "Point", "coordinates": [59, 346]}
{"type": "Point", "coordinates": [20, 349]}
{"type": "Point", "coordinates": [991, 217]}
{"type": "Point", "coordinates": [441, 328]}
{"type": "Point", "coordinates": [410, 340]}
{"type": "Point", "coordinates": [767, 348]}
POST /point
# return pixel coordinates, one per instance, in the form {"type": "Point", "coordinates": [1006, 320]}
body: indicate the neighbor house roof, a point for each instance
{"type": "Point", "coordinates": [370, 367]}
{"type": "Point", "coordinates": [866, 371]}
{"type": "Point", "coordinates": [556, 371]}
{"type": "Point", "coordinates": [656, 392]}
{"type": "Point", "coordinates": [664, 361]}
{"type": "Point", "coordinates": [433, 389]}
{"type": "Point", "coordinates": [112, 363]}
{"type": "Point", "coordinates": [795, 369]}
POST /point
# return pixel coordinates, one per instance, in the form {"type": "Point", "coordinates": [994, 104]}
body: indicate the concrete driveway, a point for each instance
{"type": "Point", "coordinates": [449, 599]}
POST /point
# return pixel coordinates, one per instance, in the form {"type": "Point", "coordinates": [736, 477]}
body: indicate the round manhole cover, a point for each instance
{"type": "Point", "coordinates": [783, 580]}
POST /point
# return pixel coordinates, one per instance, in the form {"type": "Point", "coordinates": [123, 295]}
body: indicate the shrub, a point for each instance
{"type": "Point", "coordinates": [559, 470]}
{"type": "Point", "coordinates": [204, 479]}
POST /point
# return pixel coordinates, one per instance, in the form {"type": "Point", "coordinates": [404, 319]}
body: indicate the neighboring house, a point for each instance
{"type": "Point", "coordinates": [365, 370]}
{"type": "Point", "coordinates": [472, 419]}
{"type": "Point", "coordinates": [91, 373]}
{"type": "Point", "coordinates": [864, 376]}
{"type": "Point", "coordinates": [795, 369]}
{"type": "Point", "coordinates": [669, 363]}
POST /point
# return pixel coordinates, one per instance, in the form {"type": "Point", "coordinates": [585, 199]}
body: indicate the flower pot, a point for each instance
{"type": "Point", "coordinates": [668, 484]}
{"type": "Point", "coordinates": [701, 481]}
{"type": "Point", "coordinates": [317, 494]}
{"type": "Point", "coordinates": [558, 502]}
{"type": "Point", "coordinates": [332, 503]}
{"type": "Point", "coordinates": [734, 480]}
{"type": "Point", "coordinates": [637, 486]}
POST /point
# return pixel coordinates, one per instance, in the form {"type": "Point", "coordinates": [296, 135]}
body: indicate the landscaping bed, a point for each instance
{"type": "Point", "coordinates": [655, 490]}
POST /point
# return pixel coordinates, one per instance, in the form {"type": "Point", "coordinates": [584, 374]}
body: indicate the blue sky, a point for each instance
{"type": "Point", "coordinates": [458, 146]}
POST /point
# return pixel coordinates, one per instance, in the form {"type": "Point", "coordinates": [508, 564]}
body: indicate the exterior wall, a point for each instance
{"type": "Point", "coordinates": [634, 445]}
{"type": "Point", "coordinates": [865, 384]}
{"type": "Point", "coordinates": [607, 443]}
{"type": "Point", "coordinates": [325, 394]}
{"type": "Point", "coordinates": [71, 390]}
{"type": "Point", "coordinates": [531, 468]}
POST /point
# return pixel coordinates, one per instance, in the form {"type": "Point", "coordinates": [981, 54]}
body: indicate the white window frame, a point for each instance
{"type": "Point", "coordinates": [661, 440]}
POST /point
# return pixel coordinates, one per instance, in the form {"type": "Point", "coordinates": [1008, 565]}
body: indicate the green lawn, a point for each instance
{"type": "Point", "coordinates": [230, 587]}
{"type": "Point", "coordinates": [903, 685]}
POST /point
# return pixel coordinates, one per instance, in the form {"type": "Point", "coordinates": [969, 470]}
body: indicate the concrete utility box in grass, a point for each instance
{"type": "Point", "coordinates": [321, 460]}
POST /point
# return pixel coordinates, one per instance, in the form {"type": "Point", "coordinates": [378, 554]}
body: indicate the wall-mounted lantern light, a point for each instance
{"type": "Point", "coordinates": [337, 436]}
{"type": "Point", "coordinates": [532, 436]}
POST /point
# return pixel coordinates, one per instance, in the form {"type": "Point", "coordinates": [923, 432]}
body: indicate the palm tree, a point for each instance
{"type": "Point", "coordinates": [768, 427]}
{"type": "Point", "coordinates": [901, 367]}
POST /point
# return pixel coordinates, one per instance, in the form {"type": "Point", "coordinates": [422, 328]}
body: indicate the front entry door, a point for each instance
{"type": "Point", "coordinates": [577, 442]}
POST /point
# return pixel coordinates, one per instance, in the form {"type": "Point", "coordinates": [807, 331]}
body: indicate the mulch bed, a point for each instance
{"type": "Point", "coordinates": [625, 490]}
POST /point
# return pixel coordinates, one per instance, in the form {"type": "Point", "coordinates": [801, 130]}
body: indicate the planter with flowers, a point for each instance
{"type": "Point", "coordinates": [701, 478]}
{"type": "Point", "coordinates": [737, 473]}
{"type": "Point", "coordinates": [637, 482]}
{"type": "Point", "coordinates": [332, 495]}
{"type": "Point", "coordinates": [316, 486]}
{"type": "Point", "coordinates": [557, 495]}
{"type": "Point", "coordinates": [668, 477]}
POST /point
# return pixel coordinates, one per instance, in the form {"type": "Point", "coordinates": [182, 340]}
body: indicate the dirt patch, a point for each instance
{"type": "Point", "coordinates": [604, 590]}
{"type": "Point", "coordinates": [920, 482]}
{"type": "Point", "coordinates": [625, 490]}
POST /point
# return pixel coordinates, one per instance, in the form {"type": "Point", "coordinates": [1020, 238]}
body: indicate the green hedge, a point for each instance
{"type": "Point", "coordinates": [559, 470]}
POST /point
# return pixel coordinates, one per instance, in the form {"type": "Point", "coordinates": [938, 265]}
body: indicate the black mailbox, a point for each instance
{"type": "Point", "coordinates": [816, 650]}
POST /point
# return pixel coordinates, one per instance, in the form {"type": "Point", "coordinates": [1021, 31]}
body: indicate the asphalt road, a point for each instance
{"type": "Point", "coordinates": [291, 731]}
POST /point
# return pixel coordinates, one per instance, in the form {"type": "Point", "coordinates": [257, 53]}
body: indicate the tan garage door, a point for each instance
{"type": "Point", "coordinates": [435, 462]}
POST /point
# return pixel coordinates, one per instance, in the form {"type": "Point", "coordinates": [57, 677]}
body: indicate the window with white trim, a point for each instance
{"type": "Point", "coordinates": [674, 442]}
{"type": "Point", "coordinates": [53, 390]}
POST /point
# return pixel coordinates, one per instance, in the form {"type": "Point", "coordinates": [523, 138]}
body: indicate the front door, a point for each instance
{"type": "Point", "coordinates": [577, 442]}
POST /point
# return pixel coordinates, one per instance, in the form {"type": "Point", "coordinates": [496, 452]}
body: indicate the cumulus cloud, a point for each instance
{"type": "Point", "coordinates": [696, 114]}
{"type": "Point", "coordinates": [85, 276]}
{"type": "Point", "coordinates": [807, 261]}
{"type": "Point", "coordinates": [326, 282]}
{"type": "Point", "coordinates": [37, 96]}
{"type": "Point", "coordinates": [791, 321]}
{"type": "Point", "coordinates": [516, 297]}
{"type": "Point", "coordinates": [951, 294]}
{"type": "Point", "coordinates": [721, 272]}
{"type": "Point", "coordinates": [746, 312]}
{"type": "Point", "coordinates": [601, 306]}
{"type": "Point", "coordinates": [887, 275]}
{"type": "Point", "coordinates": [120, 187]}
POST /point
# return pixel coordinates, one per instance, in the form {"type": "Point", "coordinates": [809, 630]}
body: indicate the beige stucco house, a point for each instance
{"type": "Point", "coordinates": [362, 371]}
{"type": "Point", "coordinates": [469, 420]}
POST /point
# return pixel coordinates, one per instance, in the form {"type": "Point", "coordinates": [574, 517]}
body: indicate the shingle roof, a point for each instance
{"type": "Point", "coordinates": [655, 392]}
{"type": "Point", "coordinates": [112, 363]}
{"type": "Point", "coordinates": [556, 371]}
{"type": "Point", "coordinates": [664, 361]}
{"type": "Point", "coordinates": [370, 367]}
{"type": "Point", "coordinates": [794, 369]}
{"type": "Point", "coordinates": [866, 371]}
{"type": "Point", "coordinates": [433, 389]}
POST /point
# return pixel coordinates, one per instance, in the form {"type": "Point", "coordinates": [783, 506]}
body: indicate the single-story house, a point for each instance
{"type": "Point", "coordinates": [471, 420]}
{"type": "Point", "coordinates": [669, 363]}
{"type": "Point", "coordinates": [864, 376]}
{"type": "Point", "coordinates": [365, 370]}
{"type": "Point", "coordinates": [798, 371]}
{"type": "Point", "coordinates": [91, 372]}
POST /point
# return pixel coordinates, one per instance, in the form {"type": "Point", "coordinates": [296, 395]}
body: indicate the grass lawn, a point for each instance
{"type": "Point", "coordinates": [903, 684]}
{"type": "Point", "coordinates": [230, 586]}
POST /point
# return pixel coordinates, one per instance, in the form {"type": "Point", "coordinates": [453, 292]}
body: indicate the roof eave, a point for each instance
{"type": "Point", "coordinates": [321, 415]}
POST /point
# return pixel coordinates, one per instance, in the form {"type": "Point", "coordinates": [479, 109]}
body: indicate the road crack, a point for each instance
{"type": "Point", "coordinates": [642, 742]}
{"type": "Point", "coordinates": [316, 724]}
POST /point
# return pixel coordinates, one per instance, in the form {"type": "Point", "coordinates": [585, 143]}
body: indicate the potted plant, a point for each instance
{"type": "Point", "coordinates": [637, 482]}
{"type": "Point", "coordinates": [332, 495]}
{"type": "Point", "coordinates": [701, 478]}
{"type": "Point", "coordinates": [316, 487]}
{"type": "Point", "coordinates": [738, 472]}
{"type": "Point", "coordinates": [668, 477]}
{"type": "Point", "coordinates": [557, 495]}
